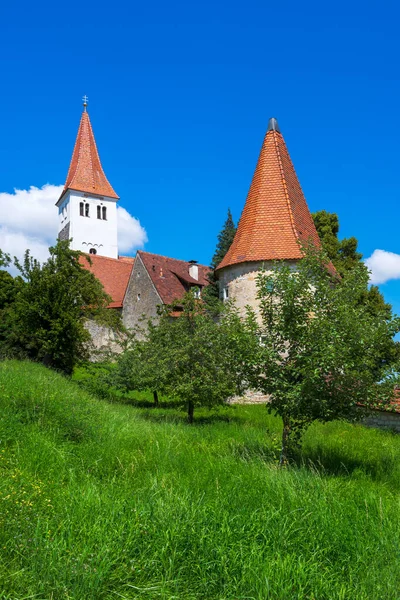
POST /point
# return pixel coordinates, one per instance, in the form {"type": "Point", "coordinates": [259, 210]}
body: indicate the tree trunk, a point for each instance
{"type": "Point", "coordinates": [190, 406]}
{"type": "Point", "coordinates": [155, 398]}
{"type": "Point", "coordinates": [283, 460]}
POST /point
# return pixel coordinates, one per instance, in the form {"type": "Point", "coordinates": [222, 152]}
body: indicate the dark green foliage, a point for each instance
{"type": "Point", "coordinates": [319, 348]}
{"type": "Point", "coordinates": [345, 257]}
{"type": "Point", "coordinates": [46, 319]}
{"type": "Point", "coordinates": [225, 239]}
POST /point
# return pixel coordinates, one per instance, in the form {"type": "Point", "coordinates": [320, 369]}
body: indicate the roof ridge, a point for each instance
{"type": "Point", "coordinates": [278, 153]}
{"type": "Point", "coordinates": [170, 258]}
{"type": "Point", "coordinates": [96, 256]}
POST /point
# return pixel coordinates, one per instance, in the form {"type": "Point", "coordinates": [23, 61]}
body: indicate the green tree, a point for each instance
{"type": "Point", "coordinates": [345, 257]}
{"type": "Point", "coordinates": [46, 320]}
{"type": "Point", "coordinates": [318, 348]}
{"type": "Point", "coordinates": [190, 358]}
{"type": "Point", "coordinates": [225, 239]}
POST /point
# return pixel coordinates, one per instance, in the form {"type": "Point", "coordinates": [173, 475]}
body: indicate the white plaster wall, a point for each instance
{"type": "Point", "coordinates": [90, 232]}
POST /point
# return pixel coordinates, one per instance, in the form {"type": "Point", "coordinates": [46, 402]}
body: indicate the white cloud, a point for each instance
{"type": "Point", "coordinates": [29, 219]}
{"type": "Point", "coordinates": [383, 266]}
{"type": "Point", "coordinates": [130, 232]}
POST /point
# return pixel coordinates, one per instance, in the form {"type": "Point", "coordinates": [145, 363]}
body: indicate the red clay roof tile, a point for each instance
{"type": "Point", "coordinates": [85, 172]}
{"type": "Point", "coordinates": [113, 273]}
{"type": "Point", "coordinates": [170, 276]}
{"type": "Point", "coordinates": [276, 216]}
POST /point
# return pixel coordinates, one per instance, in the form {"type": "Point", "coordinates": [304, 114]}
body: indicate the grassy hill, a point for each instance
{"type": "Point", "coordinates": [104, 500]}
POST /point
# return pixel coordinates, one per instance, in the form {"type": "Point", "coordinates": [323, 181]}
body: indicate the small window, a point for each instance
{"type": "Point", "coordinates": [81, 209]}
{"type": "Point", "coordinates": [138, 297]}
{"type": "Point", "coordinates": [196, 292]}
{"type": "Point", "coordinates": [225, 292]}
{"type": "Point", "coordinates": [99, 212]}
{"type": "Point", "coordinates": [92, 251]}
{"type": "Point", "coordinates": [86, 210]}
{"type": "Point", "coordinates": [104, 213]}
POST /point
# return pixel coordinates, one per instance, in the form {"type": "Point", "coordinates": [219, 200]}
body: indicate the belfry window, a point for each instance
{"type": "Point", "coordinates": [86, 210]}
{"type": "Point", "coordinates": [81, 209]}
{"type": "Point", "coordinates": [104, 210]}
{"type": "Point", "coordinates": [99, 212]}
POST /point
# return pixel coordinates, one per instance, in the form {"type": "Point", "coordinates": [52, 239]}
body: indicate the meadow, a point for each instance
{"type": "Point", "coordinates": [103, 500]}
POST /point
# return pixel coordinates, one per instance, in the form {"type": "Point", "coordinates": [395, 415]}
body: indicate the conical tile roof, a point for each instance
{"type": "Point", "coordinates": [276, 218]}
{"type": "Point", "coordinates": [85, 171]}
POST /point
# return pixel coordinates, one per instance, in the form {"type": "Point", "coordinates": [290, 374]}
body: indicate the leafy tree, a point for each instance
{"type": "Point", "coordinates": [345, 257]}
{"type": "Point", "coordinates": [190, 358]}
{"type": "Point", "coordinates": [225, 239]}
{"type": "Point", "coordinates": [318, 348]}
{"type": "Point", "coordinates": [46, 320]}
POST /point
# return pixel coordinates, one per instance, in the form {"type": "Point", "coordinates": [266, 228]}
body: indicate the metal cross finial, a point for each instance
{"type": "Point", "coordinates": [85, 101]}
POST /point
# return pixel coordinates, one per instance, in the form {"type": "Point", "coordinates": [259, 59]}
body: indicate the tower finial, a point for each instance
{"type": "Point", "coordinates": [85, 102]}
{"type": "Point", "coordinates": [273, 125]}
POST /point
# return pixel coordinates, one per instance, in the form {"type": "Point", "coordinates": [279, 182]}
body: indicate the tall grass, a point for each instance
{"type": "Point", "coordinates": [102, 500]}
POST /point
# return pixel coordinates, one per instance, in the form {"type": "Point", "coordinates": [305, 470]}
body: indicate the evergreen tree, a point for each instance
{"type": "Point", "coordinates": [225, 239]}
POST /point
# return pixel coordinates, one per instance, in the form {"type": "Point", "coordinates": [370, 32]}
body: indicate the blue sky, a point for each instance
{"type": "Point", "coordinates": [180, 95]}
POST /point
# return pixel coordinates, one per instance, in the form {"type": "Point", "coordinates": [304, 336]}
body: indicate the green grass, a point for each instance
{"type": "Point", "coordinates": [101, 500]}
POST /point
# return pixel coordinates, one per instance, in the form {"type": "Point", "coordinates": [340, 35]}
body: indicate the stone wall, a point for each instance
{"type": "Point", "coordinates": [240, 280]}
{"type": "Point", "coordinates": [104, 339]}
{"type": "Point", "coordinates": [382, 419]}
{"type": "Point", "coordinates": [141, 298]}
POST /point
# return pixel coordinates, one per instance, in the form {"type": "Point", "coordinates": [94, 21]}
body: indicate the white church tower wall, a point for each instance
{"type": "Point", "coordinates": [92, 222]}
{"type": "Point", "coordinates": [87, 206]}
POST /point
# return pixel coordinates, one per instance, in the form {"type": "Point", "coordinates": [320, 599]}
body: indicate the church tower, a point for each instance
{"type": "Point", "coordinates": [274, 223]}
{"type": "Point", "coordinates": [87, 206]}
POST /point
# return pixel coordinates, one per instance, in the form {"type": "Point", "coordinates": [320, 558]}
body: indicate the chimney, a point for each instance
{"type": "Point", "coordinates": [193, 269]}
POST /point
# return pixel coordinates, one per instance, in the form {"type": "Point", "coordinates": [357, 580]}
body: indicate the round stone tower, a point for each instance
{"type": "Point", "coordinates": [275, 222]}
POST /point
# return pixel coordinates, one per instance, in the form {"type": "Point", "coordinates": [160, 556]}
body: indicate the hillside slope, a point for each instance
{"type": "Point", "coordinates": [110, 501]}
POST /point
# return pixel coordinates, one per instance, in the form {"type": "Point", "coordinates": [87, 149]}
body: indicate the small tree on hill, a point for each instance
{"type": "Point", "coordinates": [318, 346]}
{"type": "Point", "coordinates": [190, 358]}
{"type": "Point", "coordinates": [46, 319]}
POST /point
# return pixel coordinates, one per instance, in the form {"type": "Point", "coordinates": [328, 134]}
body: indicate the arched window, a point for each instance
{"type": "Point", "coordinates": [99, 212]}
{"type": "Point", "coordinates": [86, 210]}
{"type": "Point", "coordinates": [81, 209]}
{"type": "Point", "coordinates": [92, 251]}
{"type": "Point", "coordinates": [104, 213]}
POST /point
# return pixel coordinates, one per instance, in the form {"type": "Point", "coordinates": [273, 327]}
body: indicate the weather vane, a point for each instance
{"type": "Point", "coordinates": [85, 101]}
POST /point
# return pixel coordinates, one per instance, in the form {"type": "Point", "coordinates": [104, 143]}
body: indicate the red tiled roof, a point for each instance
{"type": "Point", "coordinates": [113, 273]}
{"type": "Point", "coordinates": [170, 275]}
{"type": "Point", "coordinates": [276, 216]}
{"type": "Point", "coordinates": [85, 171]}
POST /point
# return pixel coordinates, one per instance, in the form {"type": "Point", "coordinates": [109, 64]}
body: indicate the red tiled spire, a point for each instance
{"type": "Point", "coordinates": [85, 171]}
{"type": "Point", "coordinates": [276, 216]}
